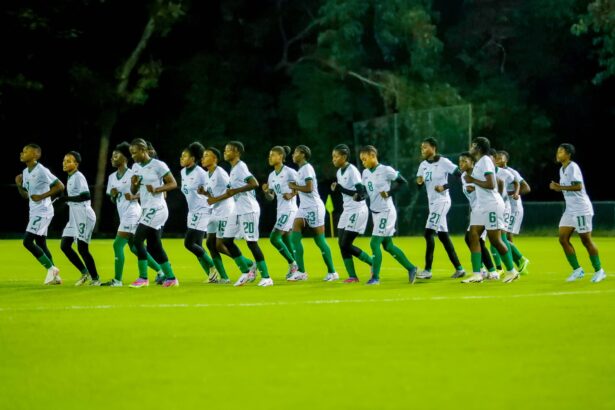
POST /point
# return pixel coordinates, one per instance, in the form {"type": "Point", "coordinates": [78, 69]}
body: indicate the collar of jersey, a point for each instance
{"type": "Point", "coordinates": [435, 159]}
{"type": "Point", "coordinates": [281, 169]}
{"type": "Point", "coordinates": [372, 170]}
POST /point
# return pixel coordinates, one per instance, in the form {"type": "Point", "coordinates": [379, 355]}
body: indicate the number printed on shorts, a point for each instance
{"type": "Point", "coordinates": [149, 215]}
{"type": "Point", "coordinates": [383, 223]}
{"type": "Point", "coordinates": [283, 219]}
{"type": "Point", "coordinates": [81, 228]}
{"type": "Point", "coordinates": [311, 217]}
{"type": "Point", "coordinates": [492, 217]}
{"type": "Point", "coordinates": [581, 221]}
{"type": "Point", "coordinates": [511, 220]}
{"type": "Point", "coordinates": [36, 221]}
{"type": "Point", "coordinates": [195, 218]}
{"type": "Point", "coordinates": [353, 218]}
{"type": "Point", "coordinates": [248, 227]}
{"type": "Point", "coordinates": [221, 226]}
{"type": "Point", "coordinates": [434, 219]}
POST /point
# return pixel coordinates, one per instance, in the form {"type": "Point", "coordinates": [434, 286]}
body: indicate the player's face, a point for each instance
{"type": "Point", "coordinates": [465, 164]}
{"type": "Point", "coordinates": [138, 153]}
{"type": "Point", "coordinates": [427, 150]}
{"type": "Point", "coordinates": [275, 158]}
{"type": "Point", "coordinates": [230, 153]}
{"type": "Point", "coordinates": [500, 160]}
{"type": "Point", "coordinates": [27, 154]}
{"type": "Point", "coordinates": [338, 159]}
{"type": "Point", "coordinates": [69, 164]}
{"type": "Point", "coordinates": [561, 155]}
{"type": "Point", "coordinates": [117, 159]}
{"type": "Point", "coordinates": [474, 150]}
{"type": "Point", "coordinates": [186, 160]}
{"type": "Point", "coordinates": [298, 156]}
{"type": "Point", "coordinates": [209, 159]}
{"type": "Point", "coordinates": [368, 159]}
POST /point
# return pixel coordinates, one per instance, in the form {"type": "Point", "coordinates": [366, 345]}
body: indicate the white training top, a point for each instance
{"type": "Point", "coordinates": [122, 184]}
{"type": "Point", "coordinates": [245, 202]}
{"type": "Point", "coordinates": [486, 199]}
{"type": "Point", "coordinates": [216, 185]}
{"type": "Point", "coordinates": [76, 185]}
{"type": "Point", "coordinates": [515, 204]}
{"type": "Point", "coordinates": [508, 178]}
{"type": "Point", "coordinates": [577, 202]}
{"type": "Point", "coordinates": [349, 178]}
{"type": "Point", "coordinates": [278, 183]}
{"type": "Point", "coordinates": [36, 182]}
{"type": "Point", "coordinates": [470, 195]}
{"type": "Point", "coordinates": [151, 173]}
{"type": "Point", "coordinates": [436, 173]}
{"type": "Point", "coordinates": [308, 199]}
{"type": "Point", "coordinates": [192, 179]}
{"type": "Point", "coordinates": [377, 180]}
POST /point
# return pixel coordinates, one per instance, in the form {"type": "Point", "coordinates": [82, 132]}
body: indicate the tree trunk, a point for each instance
{"type": "Point", "coordinates": [106, 126]}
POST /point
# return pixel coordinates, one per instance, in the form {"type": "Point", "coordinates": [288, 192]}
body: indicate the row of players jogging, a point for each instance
{"type": "Point", "coordinates": [222, 208]}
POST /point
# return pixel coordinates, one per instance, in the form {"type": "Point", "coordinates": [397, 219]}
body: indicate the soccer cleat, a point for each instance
{"type": "Point", "coordinates": [243, 279]}
{"type": "Point", "coordinates": [139, 283]}
{"type": "Point", "coordinates": [511, 276]}
{"type": "Point", "coordinates": [352, 280]}
{"type": "Point", "coordinates": [373, 281]}
{"type": "Point", "coordinates": [159, 278]}
{"type": "Point", "coordinates": [95, 282]}
{"type": "Point", "coordinates": [223, 281]}
{"type": "Point", "coordinates": [292, 268]}
{"type": "Point", "coordinates": [424, 274]}
{"type": "Point", "coordinates": [523, 266]}
{"type": "Point", "coordinates": [53, 276]}
{"type": "Point", "coordinates": [458, 274]}
{"type": "Point", "coordinates": [412, 275]}
{"type": "Point", "coordinates": [170, 283]}
{"type": "Point", "coordinates": [83, 280]}
{"type": "Point", "coordinates": [265, 282]}
{"type": "Point", "coordinates": [114, 283]}
{"type": "Point", "coordinates": [213, 276]}
{"type": "Point", "coordinates": [599, 276]}
{"type": "Point", "coordinates": [576, 274]}
{"type": "Point", "coordinates": [475, 278]}
{"type": "Point", "coordinates": [252, 272]}
{"type": "Point", "coordinates": [493, 276]}
{"type": "Point", "coordinates": [297, 276]}
{"type": "Point", "coordinates": [331, 277]}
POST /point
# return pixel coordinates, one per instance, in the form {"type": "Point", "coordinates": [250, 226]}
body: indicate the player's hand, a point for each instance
{"type": "Point", "coordinates": [439, 188]}
{"type": "Point", "coordinates": [231, 191]}
{"type": "Point", "coordinates": [211, 200]}
{"type": "Point", "coordinates": [470, 189]}
{"type": "Point", "coordinates": [292, 185]}
{"type": "Point", "coordinates": [420, 180]}
{"type": "Point", "coordinates": [19, 179]}
{"type": "Point", "coordinates": [384, 194]}
{"type": "Point", "coordinates": [333, 186]}
{"type": "Point", "coordinates": [135, 180]}
{"type": "Point", "coordinates": [37, 198]}
{"type": "Point", "coordinates": [357, 198]}
{"type": "Point", "coordinates": [150, 189]}
{"type": "Point", "coordinates": [555, 186]}
{"type": "Point", "coordinates": [516, 196]}
{"type": "Point", "coordinates": [468, 178]}
{"type": "Point", "coordinates": [128, 196]}
{"type": "Point", "coordinates": [265, 188]}
{"type": "Point", "coordinates": [114, 192]}
{"type": "Point", "coordinates": [288, 196]}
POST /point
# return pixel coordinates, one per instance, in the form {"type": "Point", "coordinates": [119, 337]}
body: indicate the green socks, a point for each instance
{"type": "Point", "coordinates": [375, 243]}
{"type": "Point", "coordinates": [516, 254]}
{"type": "Point", "coordinates": [240, 261]}
{"type": "Point", "coordinates": [118, 250]}
{"type": "Point", "coordinates": [595, 262]}
{"type": "Point", "coordinates": [349, 264]}
{"type": "Point", "coordinates": [262, 268]}
{"type": "Point", "coordinates": [364, 257]}
{"type": "Point", "coordinates": [220, 267]}
{"type": "Point", "coordinates": [397, 253]}
{"type": "Point", "coordinates": [206, 263]}
{"type": "Point", "coordinates": [45, 261]}
{"type": "Point", "coordinates": [476, 262]}
{"type": "Point", "coordinates": [168, 271]}
{"type": "Point", "coordinates": [278, 243]}
{"type": "Point", "coordinates": [572, 260]}
{"type": "Point", "coordinates": [496, 257]}
{"type": "Point", "coordinates": [321, 242]}
{"type": "Point", "coordinates": [298, 247]}
{"type": "Point", "coordinates": [142, 268]}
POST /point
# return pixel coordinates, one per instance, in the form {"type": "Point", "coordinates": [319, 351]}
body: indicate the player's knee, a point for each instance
{"type": "Point", "coordinates": [83, 248]}
{"type": "Point", "coordinates": [66, 244]}
{"type": "Point", "coordinates": [429, 234]}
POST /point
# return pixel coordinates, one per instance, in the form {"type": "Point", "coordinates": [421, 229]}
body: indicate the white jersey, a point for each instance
{"type": "Point", "coordinates": [217, 184]}
{"type": "Point", "coordinates": [245, 202]}
{"type": "Point", "coordinates": [308, 199]}
{"type": "Point", "coordinates": [470, 195]}
{"type": "Point", "coordinates": [486, 199]}
{"type": "Point", "coordinates": [515, 204]}
{"type": "Point", "coordinates": [349, 178]}
{"type": "Point", "coordinates": [577, 202]}
{"type": "Point", "coordinates": [436, 173]}
{"type": "Point", "coordinates": [377, 180]}
{"type": "Point", "coordinates": [122, 184]}
{"type": "Point", "coordinates": [76, 185]}
{"type": "Point", "coordinates": [192, 179]}
{"type": "Point", "coordinates": [151, 173]}
{"type": "Point", "coordinates": [507, 178]}
{"type": "Point", "coordinates": [36, 182]}
{"type": "Point", "coordinates": [278, 183]}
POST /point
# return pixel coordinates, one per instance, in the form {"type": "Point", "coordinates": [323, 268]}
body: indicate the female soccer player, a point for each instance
{"type": "Point", "coordinates": [433, 172]}
{"type": "Point", "coordinates": [199, 211]}
{"type": "Point", "coordinates": [81, 221]}
{"type": "Point", "coordinates": [37, 184]}
{"type": "Point", "coordinates": [578, 214]}
{"type": "Point", "coordinates": [488, 212]}
{"type": "Point", "coordinates": [151, 179]}
{"type": "Point", "coordinates": [277, 187]}
{"type": "Point", "coordinates": [377, 179]}
{"type": "Point", "coordinates": [466, 166]}
{"type": "Point", "coordinates": [353, 220]}
{"type": "Point", "coordinates": [129, 211]}
{"type": "Point", "coordinates": [311, 213]}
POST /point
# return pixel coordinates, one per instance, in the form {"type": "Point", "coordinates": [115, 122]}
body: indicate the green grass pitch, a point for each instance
{"type": "Point", "coordinates": [536, 343]}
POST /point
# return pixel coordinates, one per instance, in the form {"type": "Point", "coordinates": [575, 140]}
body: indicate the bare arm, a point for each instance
{"type": "Point", "coordinates": [251, 184]}
{"type": "Point", "coordinates": [307, 188]}
{"type": "Point", "coordinates": [19, 182]}
{"type": "Point", "coordinates": [169, 184]}
{"type": "Point", "coordinates": [576, 186]}
{"type": "Point", "coordinates": [525, 188]}
{"type": "Point", "coordinates": [56, 188]}
{"type": "Point", "coordinates": [488, 184]}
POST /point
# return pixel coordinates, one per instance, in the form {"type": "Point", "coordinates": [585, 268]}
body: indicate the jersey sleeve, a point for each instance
{"type": "Point", "coordinates": [419, 171]}
{"type": "Point", "coordinates": [487, 167]}
{"type": "Point", "coordinates": [270, 180]}
{"type": "Point", "coordinates": [162, 169]}
{"type": "Point", "coordinates": [82, 184]}
{"type": "Point", "coordinates": [390, 174]}
{"type": "Point", "coordinates": [244, 172]}
{"type": "Point", "coordinates": [448, 166]}
{"type": "Point", "coordinates": [354, 177]}
{"type": "Point", "coordinates": [108, 191]}
{"type": "Point", "coordinates": [293, 175]}
{"type": "Point", "coordinates": [48, 177]}
{"type": "Point", "coordinates": [576, 176]}
{"type": "Point", "coordinates": [306, 173]}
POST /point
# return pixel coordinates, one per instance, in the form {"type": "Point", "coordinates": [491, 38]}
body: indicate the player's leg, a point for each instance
{"type": "Point", "coordinates": [400, 257]}
{"type": "Point", "coordinates": [296, 236]}
{"type": "Point", "coordinates": [430, 246]}
{"type": "Point", "coordinates": [84, 251]}
{"type": "Point", "coordinates": [193, 241]}
{"type": "Point", "coordinates": [155, 248]}
{"type": "Point", "coordinates": [473, 240]}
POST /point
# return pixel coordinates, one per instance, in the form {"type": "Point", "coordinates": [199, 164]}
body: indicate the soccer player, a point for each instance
{"type": "Point", "coordinates": [377, 179]}
{"type": "Point", "coordinates": [223, 222]}
{"type": "Point", "coordinates": [488, 212]}
{"type": "Point", "coordinates": [129, 211]}
{"type": "Point", "coordinates": [151, 179]}
{"type": "Point", "coordinates": [311, 213]}
{"type": "Point", "coordinates": [80, 223]}
{"type": "Point", "coordinates": [433, 172]}
{"type": "Point", "coordinates": [241, 188]}
{"type": "Point", "coordinates": [199, 211]}
{"type": "Point", "coordinates": [37, 184]}
{"type": "Point", "coordinates": [466, 166]}
{"type": "Point", "coordinates": [516, 209]}
{"type": "Point", "coordinates": [353, 220]}
{"type": "Point", "coordinates": [577, 216]}
{"type": "Point", "coordinates": [277, 187]}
